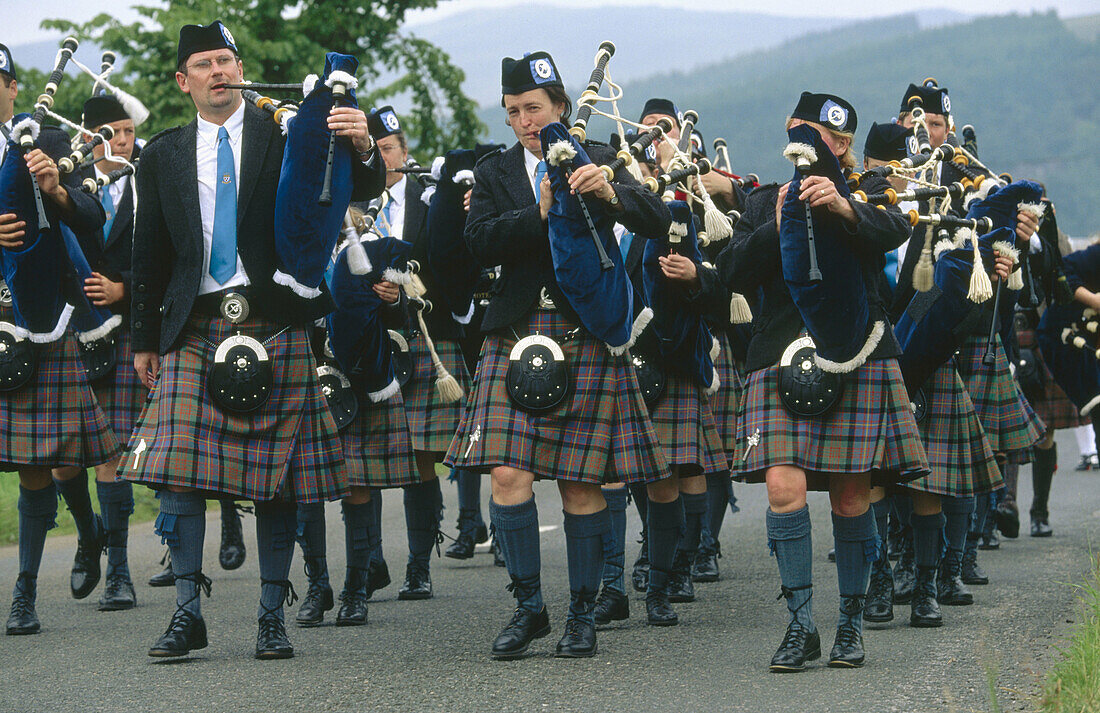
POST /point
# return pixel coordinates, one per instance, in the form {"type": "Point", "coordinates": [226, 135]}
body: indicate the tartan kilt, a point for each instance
{"type": "Point", "coordinates": [54, 420]}
{"type": "Point", "coordinates": [1055, 408]}
{"type": "Point", "coordinates": [289, 448]}
{"type": "Point", "coordinates": [958, 451]}
{"type": "Point", "coordinates": [601, 434]}
{"type": "Point", "coordinates": [686, 430]}
{"type": "Point", "coordinates": [871, 429]}
{"type": "Point", "coordinates": [121, 394]}
{"type": "Point", "coordinates": [432, 422]}
{"type": "Point", "coordinates": [1007, 418]}
{"type": "Point", "coordinates": [724, 403]}
{"type": "Point", "coordinates": [378, 450]}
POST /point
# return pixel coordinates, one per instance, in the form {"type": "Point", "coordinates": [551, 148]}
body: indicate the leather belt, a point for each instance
{"type": "Point", "coordinates": [210, 304]}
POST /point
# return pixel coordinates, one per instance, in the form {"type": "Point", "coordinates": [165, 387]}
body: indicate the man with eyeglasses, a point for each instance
{"type": "Point", "coordinates": [203, 277]}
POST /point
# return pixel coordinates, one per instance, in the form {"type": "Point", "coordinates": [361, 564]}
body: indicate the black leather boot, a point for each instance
{"type": "Point", "coordinates": [353, 600]}
{"type": "Point", "coordinates": [705, 568]}
{"type": "Point", "coordinates": [880, 593]}
{"type": "Point", "coordinates": [951, 590]}
{"type": "Point", "coordinates": [926, 610]}
{"type": "Point", "coordinates": [579, 639]}
{"type": "Point", "coordinates": [186, 632]}
{"type": "Point", "coordinates": [88, 563]}
{"type": "Point", "coordinates": [905, 576]}
{"type": "Point", "coordinates": [971, 572]}
{"type": "Point", "coordinates": [166, 577]}
{"type": "Point", "coordinates": [318, 599]}
{"type": "Point", "coordinates": [658, 610]}
{"type": "Point", "coordinates": [639, 577]}
{"type": "Point", "coordinates": [1040, 527]}
{"type": "Point", "coordinates": [848, 646]}
{"type": "Point", "coordinates": [463, 546]}
{"type": "Point", "coordinates": [611, 606]}
{"type": "Point", "coordinates": [680, 587]}
{"type": "Point", "coordinates": [118, 590]}
{"type": "Point", "coordinates": [231, 554]}
{"type": "Point", "coordinates": [525, 626]}
{"type": "Point", "coordinates": [23, 618]}
{"type": "Point", "coordinates": [378, 576]}
{"type": "Point", "coordinates": [498, 556]}
{"type": "Point", "coordinates": [272, 641]}
{"type": "Point", "coordinates": [799, 646]}
{"type": "Point", "coordinates": [418, 582]}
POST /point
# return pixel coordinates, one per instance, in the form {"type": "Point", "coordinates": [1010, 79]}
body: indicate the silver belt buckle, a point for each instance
{"type": "Point", "coordinates": [234, 307]}
{"type": "Point", "coordinates": [545, 301]}
{"type": "Point", "coordinates": [5, 295]}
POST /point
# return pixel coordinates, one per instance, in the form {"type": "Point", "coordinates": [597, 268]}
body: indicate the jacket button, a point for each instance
{"type": "Point", "coordinates": [141, 306]}
{"type": "Point", "coordinates": [137, 324]}
{"type": "Point", "coordinates": [141, 287]}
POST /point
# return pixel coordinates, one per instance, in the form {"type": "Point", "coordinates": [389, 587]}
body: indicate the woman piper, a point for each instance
{"type": "Point", "coordinates": [842, 421]}
{"type": "Point", "coordinates": [600, 428]}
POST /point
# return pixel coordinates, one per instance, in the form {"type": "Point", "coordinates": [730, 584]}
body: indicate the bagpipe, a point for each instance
{"type": "Point", "coordinates": [747, 182]}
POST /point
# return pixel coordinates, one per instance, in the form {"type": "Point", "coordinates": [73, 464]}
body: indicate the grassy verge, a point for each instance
{"type": "Point", "coordinates": [145, 508]}
{"type": "Point", "coordinates": [1073, 685]}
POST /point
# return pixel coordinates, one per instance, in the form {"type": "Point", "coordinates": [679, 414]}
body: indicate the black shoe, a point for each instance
{"type": "Point", "coordinates": [463, 547]}
{"type": "Point", "coordinates": [1085, 464]}
{"type": "Point", "coordinates": [950, 588]}
{"type": "Point", "coordinates": [23, 619]}
{"type": "Point", "coordinates": [87, 565]}
{"type": "Point", "coordinates": [831, 556]}
{"type": "Point", "coordinates": [167, 577]}
{"type": "Point", "coordinates": [905, 578]}
{"type": "Point", "coordinates": [378, 577]}
{"type": "Point", "coordinates": [880, 594]}
{"type": "Point", "coordinates": [611, 606]}
{"type": "Point", "coordinates": [1007, 518]}
{"type": "Point", "coordinates": [926, 610]}
{"type": "Point", "coordinates": [481, 535]}
{"type": "Point", "coordinates": [232, 552]}
{"type": "Point", "coordinates": [658, 610]}
{"type": "Point", "coordinates": [317, 601]}
{"type": "Point", "coordinates": [418, 582]}
{"type": "Point", "coordinates": [118, 593]}
{"type": "Point", "coordinates": [680, 587]}
{"type": "Point", "coordinates": [1040, 527]}
{"type": "Point", "coordinates": [989, 541]}
{"type": "Point", "coordinates": [972, 572]}
{"type": "Point", "coordinates": [271, 639]}
{"type": "Point", "coordinates": [353, 600]}
{"type": "Point", "coordinates": [515, 638]}
{"type": "Point", "coordinates": [705, 568]}
{"type": "Point", "coordinates": [185, 633]}
{"type": "Point", "coordinates": [498, 556]}
{"type": "Point", "coordinates": [639, 577]}
{"type": "Point", "coordinates": [578, 642]}
{"type": "Point", "coordinates": [847, 648]}
{"type": "Point", "coordinates": [798, 647]}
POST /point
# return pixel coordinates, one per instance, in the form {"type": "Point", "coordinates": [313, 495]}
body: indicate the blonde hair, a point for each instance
{"type": "Point", "coordinates": [848, 159]}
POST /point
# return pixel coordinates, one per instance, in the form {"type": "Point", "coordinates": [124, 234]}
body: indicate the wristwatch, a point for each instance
{"type": "Point", "coordinates": [614, 199]}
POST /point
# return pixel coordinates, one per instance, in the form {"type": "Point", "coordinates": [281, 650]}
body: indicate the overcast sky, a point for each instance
{"type": "Point", "coordinates": [22, 26]}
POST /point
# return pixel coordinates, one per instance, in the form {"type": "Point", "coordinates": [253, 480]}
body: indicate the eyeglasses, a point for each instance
{"type": "Point", "coordinates": [204, 65]}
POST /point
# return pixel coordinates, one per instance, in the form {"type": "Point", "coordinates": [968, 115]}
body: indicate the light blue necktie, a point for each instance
{"type": "Point", "coordinates": [384, 226]}
{"type": "Point", "coordinates": [540, 173]}
{"type": "Point", "coordinates": [223, 247]}
{"type": "Point", "coordinates": [624, 244]}
{"type": "Point", "coordinates": [109, 209]}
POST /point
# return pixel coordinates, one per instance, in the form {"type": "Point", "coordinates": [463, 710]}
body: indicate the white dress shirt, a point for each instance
{"type": "Point", "coordinates": [116, 189]}
{"type": "Point", "coordinates": [206, 156]}
{"type": "Point", "coordinates": [397, 208]}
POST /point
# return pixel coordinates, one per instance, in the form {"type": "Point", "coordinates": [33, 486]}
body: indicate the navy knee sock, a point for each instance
{"type": "Point", "coordinates": [882, 512]}
{"type": "Point", "coordinates": [469, 493]}
{"type": "Point", "coordinates": [928, 539]}
{"type": "Point", "coordinates": [276, 525]}
{"type": "Point", "coordinates": [516, 529]}
{"type": "Point", "coordinates": [957, 512]}
{"type": "Point", "coordinates": [314, 543]}
{"type": "Point", "coordinates": [357, 536]}
{"type": "Point", "coordinates": [614, 556]}
{"type": "Point", "coordinates": [695, 511]}
{"type": "Point", "coordinates": [640, 496]}
{"type": "Point", "coordinates": [116, 502]}
{"type": "Point", "coordinates": [665, 526]}
{"type": "Point", "coordinates": [181, 525]}
{"type": "Point", "coordinates": [856, 543]}
{"type": "Point", "coordinates": [423, 511]}
{"type": "Point", "coordinates": [37, 516]}
{"type": "Point", "coordinates": [376, 546]}
{"type": "Point", "coordinates": [982, 504]}
{"type": "Point", "coordinates": [585, 539]}
{"type": "Point", "coordinates": [790, 539]}
{"type": "Point", "coordinates": [718, 499]}
{"type": "Point", "coordinates": [75, 493]}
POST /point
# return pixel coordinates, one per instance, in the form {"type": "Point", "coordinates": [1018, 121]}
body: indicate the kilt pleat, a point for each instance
{"type": "Point", "coordinates": [602, 433]}
{"type": "Point", "coordinates": [724, 403]}
{"type": "Point", "coordinates": [958, 452]}
{"type": "Point", "coordinates": [1007, 418]}
{"type": "Point", "coordinates": [288, 448]}
{"type": "Point", "coordinates": [686, 429]}
{"type": "Point", "coordinates": [870, 430]}
{"type": "Point", "coordinates": [432, 422]}
{"type": "Point", "coordinates": [1054, 409]}
{"type": "Point", "coordinates": [121, 394]}
{"type": "Point", "coordinates": [54, 420]}
{"type": "Point", "coordinates": [378, 449]}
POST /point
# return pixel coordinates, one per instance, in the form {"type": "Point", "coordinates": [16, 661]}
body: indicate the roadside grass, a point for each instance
{"type": "Point", "coordinates": [145, 508]}
{"type": "Point", "coordinates": [1073, 685]}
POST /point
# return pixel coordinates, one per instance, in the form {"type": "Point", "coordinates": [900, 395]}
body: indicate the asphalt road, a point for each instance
{"type": "Point", "coordinates": [433, 655]}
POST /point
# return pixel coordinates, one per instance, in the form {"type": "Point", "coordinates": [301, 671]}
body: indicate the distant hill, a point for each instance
{"type": "Point", "coordinates": [1026, 83]}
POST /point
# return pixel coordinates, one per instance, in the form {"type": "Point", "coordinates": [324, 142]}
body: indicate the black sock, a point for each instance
{"type": "Point", "coordinates": [75, 493]}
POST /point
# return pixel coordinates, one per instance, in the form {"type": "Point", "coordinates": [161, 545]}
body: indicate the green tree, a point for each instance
{"type": "Point", "coordinates": [282, 41]}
